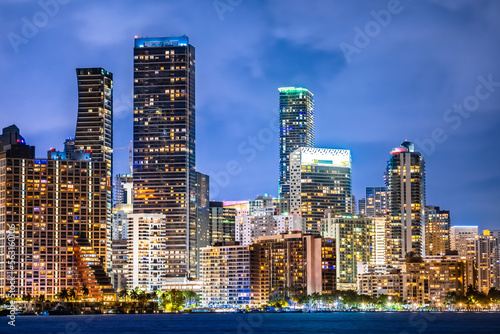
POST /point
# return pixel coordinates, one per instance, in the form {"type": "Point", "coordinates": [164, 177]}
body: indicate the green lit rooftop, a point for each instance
{"type": "Point", "coordinates": [292, 90]}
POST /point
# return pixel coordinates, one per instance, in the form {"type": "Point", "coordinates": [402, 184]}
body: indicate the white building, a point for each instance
{"type": "Point", "coordinates": [460, 237]}
{"type": "Point", "coordinates": [249, 228]}
{"type": "Point", "coordinates": [225, 276]}
{"type": "Point", "coordinates": [146, 251]}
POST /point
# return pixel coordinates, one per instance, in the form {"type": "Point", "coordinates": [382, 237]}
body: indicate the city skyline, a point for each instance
{"type": "Point", "coordinates": [478, 179]}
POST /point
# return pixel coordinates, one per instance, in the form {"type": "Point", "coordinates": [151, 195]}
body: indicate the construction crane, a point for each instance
{"type": "Point", "coordinates": [129, 148]}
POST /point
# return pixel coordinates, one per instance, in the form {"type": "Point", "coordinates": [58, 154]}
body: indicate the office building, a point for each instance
{"type": "Point", "coordinates": [222, 223]}
{"type": "Point", "coordinates": [296, 131]}
{"type": "Point", "coordinates": [146, 251]}
{"type": "Point", "coordinates": [320, 180]}
{"type": "Point", "coordinates": [225, 275]}
{"type": "Point", "coordinates": [164, 173]}
{"type": "Point", "coordinates": [354, 245]}
{"type": "Point", "coordinates": [405, 181]}
{"type": "Point", "coordinates": [437, 231]}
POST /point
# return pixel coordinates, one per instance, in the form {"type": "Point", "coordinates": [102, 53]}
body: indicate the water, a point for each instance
{"type": "Point", "coordinates": [259, 323]}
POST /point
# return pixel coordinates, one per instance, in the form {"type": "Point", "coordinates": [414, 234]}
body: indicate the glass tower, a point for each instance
{"type": "Point", "coordinates": [405, 181]}
{"type": "Point", "coordinates": [95, 113]}
{"type": "Point", "coordinates": [164, 173]}
{"type": "Point", "coordinates": [296, 131]}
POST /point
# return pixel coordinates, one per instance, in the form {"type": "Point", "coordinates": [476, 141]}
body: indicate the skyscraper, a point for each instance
{"type": "Point", "coordinates": [320, 179]}
{"type": "Point", "coordinates": [94, 127]}
{"type": "Point", "coordinates": [94, 131]}
{"type": "Point", "coordinates": [437, 231]}
{"type": "Point", "coordinates": [296, 130]}
{"type": "Point", "coordinates": [405, 181]}
{"type": "Point", "coordinates": [164, 174]}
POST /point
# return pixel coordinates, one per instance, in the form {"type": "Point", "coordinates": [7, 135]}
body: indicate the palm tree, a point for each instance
{"type": "Point", "coordinates": [63, 294]}
{"type": "Point", "coordinates": [123, 293]}
{"type": "Point", "coordinates": [85, 291]}
{"type": "Point", "coordinates": [72, 294]}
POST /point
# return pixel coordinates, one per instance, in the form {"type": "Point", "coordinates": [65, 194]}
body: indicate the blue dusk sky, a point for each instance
{"type": "Point", "coordinates": [381, 72]}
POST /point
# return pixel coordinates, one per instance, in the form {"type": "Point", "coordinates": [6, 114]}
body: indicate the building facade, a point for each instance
{"type": "Point", "coordinates": [376, 202]}
{"type": "Point", "coordinates": [461, 239]}
{"type": "Point", "coordinates": [437, 231]}
{"type": "Point", "coordinates": [225, 275]}
{"type": "Point", "coordinates": [290, 264]}
{"type": "Point", "coordinates": [164, 173]}
{"type": "Point", "coordinates": [296, 130]}
{"type": "Point", "coordinates": [320, 179]}
{"type": "Point", "coordinates": [354, 245]}
{"type": "Point", "coordinates": [486, 249]}
{"type": "Point", "coordinates": [405, 181]}
{"type": "Point", "coordinates": [146, 249]}
{"type": "Point", "coordinates": [60, 212]}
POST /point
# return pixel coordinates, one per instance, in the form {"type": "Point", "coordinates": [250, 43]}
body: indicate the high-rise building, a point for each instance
{"type": "Point", "coordinates": [486, 247]}
{"type": "Point", "coordinates": [296, 131]}
{"type": "Point", "coordinates": [119, 260]}
{"type": "Point", "coordinates": [354, 245]}
{"type": "Point", "coordinates": [320, 179]}
{"type": "Point", "coordinates": [222, 223]}
{"type": "Point", "coordinates": [362, 207]}
{"type": "Point", "coordinates": [122, 206]}
{"type": "Point", "coordinates": [94, 130]}
{"type": "Point", "coordinates": [94, 127]}
{"type": "Point", "coordinates": [376, 202]}
{"type": "Point", "coordinates": [61, 232]}
{"type": "Point", "coordinates": [405, 180]}
{"type": "Point", "coordinates": [164, 173]}
{"type": "Point", "coordinates": [461, 237]}
{"type": "Point", "coordinates": [291, 264]}
{"type": "Point", "coordinates": [225, 273]}
{"type": "Point", "coordinates": [123, 190]}
{"type": "Point", "coordinates": [437, 231]}
{"type": "Point", "coordinates": [203, 231]}
{"type": "Point", "coordinates": [146, 251]}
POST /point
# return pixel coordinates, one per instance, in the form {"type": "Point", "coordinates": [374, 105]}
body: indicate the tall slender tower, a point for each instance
{"type": "Point", "coordinates": [296, 131]}
{"type": "Point", "coordinates": [164, 175]}
{"type": "Point", "coordinates": [405, 181]}
{"type": "Point", "coordinates": [94, 129]}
